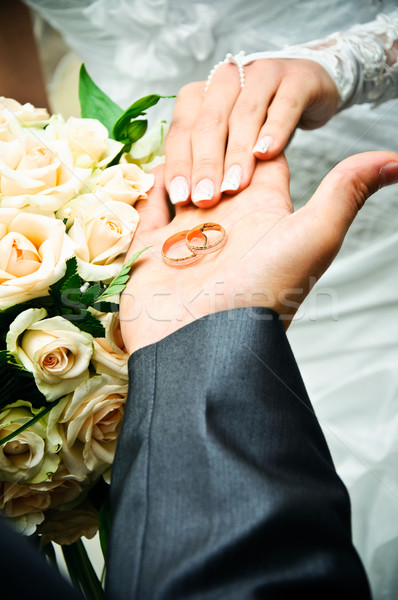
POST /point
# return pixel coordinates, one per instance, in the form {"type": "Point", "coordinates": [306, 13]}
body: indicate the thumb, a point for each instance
{"type": "Point", "coordinates": [341, 194]}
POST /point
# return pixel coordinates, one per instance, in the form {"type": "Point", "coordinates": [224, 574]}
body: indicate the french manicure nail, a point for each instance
{"type": "Point", "coordinates": [389, 173]}
{"type": "Point", "coordinates": [263, 144]}
{"type": "Point", "coordinates": [231, 181]}
{"type": "Point", "coordinates": [178, 190]}
{"type": "Point", "coordinates": [204, 190]}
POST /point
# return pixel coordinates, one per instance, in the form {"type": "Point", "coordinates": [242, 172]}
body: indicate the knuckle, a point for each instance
{"type": "Point", "coordinates": [276, 123]}
{"type": "Point", "coordinates": [178, 165]}
{"type": "Point", "coordinates": [208, 121]}
{"type": "Point", "coordinates": [312, 84]}
{"type": "Point", "coordinates": [238, 148]}
{"type": "Point", "coordinates": [188, 90]}
{"type": "Point", "coordinates": [357, 190]}
{"type": "Point", "coordinates": [288, 102]}
{"type": "Point", "coordinates": [271, 66]}
{"type": "Point", "coordinates": [244, 111]}
{"type": "Point", "coordinates": [360, 192]}
{"type": "Point", "coordinates": [224, 71]}
{"type": "Point", "coordinates": [178, 128]}
{"type": "Point", "coordinates": [204, 163]}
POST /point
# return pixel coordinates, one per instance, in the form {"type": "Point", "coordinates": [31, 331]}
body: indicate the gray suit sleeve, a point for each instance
{"type": "Point", "coordinates": [223, 486]}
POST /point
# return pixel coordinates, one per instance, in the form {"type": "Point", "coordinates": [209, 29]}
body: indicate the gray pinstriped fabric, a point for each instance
{"type": "Point", "coordinates": [223, 486]}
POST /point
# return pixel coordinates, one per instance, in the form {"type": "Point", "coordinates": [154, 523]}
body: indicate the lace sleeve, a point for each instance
{"type": "Point", "coordinates": [363, 61]}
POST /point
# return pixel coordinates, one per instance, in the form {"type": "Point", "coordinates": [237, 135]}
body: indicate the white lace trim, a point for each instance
{"type": "Point", "coordinates": [363, 61]}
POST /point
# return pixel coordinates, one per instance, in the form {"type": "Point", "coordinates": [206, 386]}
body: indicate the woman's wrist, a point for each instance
{"type": "Point", "coordinates": [362, 61]}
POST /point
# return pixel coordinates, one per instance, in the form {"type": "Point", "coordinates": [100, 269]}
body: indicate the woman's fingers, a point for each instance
{"type": "Point", "coordinates": [209, 136]}
{"type": "Point", "coordinates": [216, 135]}
{"type": "Point", "coordinates": [306, 95]}
{"type": "Point", "coordinates": [195, 145]}
{"type": "Point", "coordinates": [283, 115]}
{"type": "Point", "coordinates": [178, 148]}
{"type": "Point", "coordinates": [245, 122]}
{"type": "Point", "coordinates": [202, 123]}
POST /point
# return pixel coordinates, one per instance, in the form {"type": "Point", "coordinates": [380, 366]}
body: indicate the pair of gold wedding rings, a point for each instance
{"type": "Point", "coordinates": [197, 252]}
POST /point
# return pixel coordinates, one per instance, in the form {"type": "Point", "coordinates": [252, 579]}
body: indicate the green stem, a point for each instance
{"type": "Point", "coordinates": [49, 551]}
{"type": "Point", "coordinates": [29, 423]}
{"type": "Point", "coordinates": [81, 571]}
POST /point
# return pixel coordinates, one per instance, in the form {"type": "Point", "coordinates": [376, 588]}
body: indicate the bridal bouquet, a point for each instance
{"type": "Point", "coordinates": [67, 217]}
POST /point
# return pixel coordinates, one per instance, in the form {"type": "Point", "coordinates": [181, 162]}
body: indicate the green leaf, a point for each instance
{"type": "Point", "coordinates": [56, 288]}
{"type": "Point", "coordinates": [7, 360]}
{"type": "Point", "coordinates": [106, 307]}
{"type": "Point", "coordinates": [90, 295]}
{"type": "Point", "coordinates": [116, 289]}
{"type": "Point", "coordinates": [136, 130]}
{"type": "Point", "coordinates": [17, 383]}
{"type": "Point", "coordinates": [120, 128]}
{"type": "Point", "coordinates": [8, 315]}
{"type": "Point", "coordinates": [70, 292]}
{"type": "Point", "coordinates": [95, 104]}
{"type": "Point", "coordinates": [81, 571]}
{"type": "Point", "coordinates": [118, 284]}
{"type": "Point", "coordinates": [87, 322]}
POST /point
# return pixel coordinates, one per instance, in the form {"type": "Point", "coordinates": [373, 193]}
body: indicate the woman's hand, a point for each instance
{"type": "Point", "coordinates": [271, 258]}
{"type": "Point", "coordinates": [216, 135]}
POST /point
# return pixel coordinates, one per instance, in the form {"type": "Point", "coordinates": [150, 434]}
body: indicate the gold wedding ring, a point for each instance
{"type": "Point", "coordinates": [206, 248]}
{"type": "Point", "coordinates": [196, 252]}
{"type": "Point", "coordinates": [185, 260]}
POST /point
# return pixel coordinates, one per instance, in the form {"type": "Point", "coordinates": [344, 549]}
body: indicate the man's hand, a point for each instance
{"type": "Point", "coordinates": [272, 256]}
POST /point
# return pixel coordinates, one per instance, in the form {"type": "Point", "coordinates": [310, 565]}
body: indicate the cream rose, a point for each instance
{"type": "Point", "coordinates": [66, 527]}
{"type": "Point", "coordinates": [19, 499]}
{"type": "Point", "coordinates": [22, 499]}
{"type": "Point", "coordinates": [102, 233]}
{"type": "Point", "coordinates": [87, 138]}
{"type": "Point", "coordinates": [110, 355]}
{"type": "Point", "coordinates": [25, 504]}
{"type": "Point", "coordinates": [68, 212]}
{"type": "Point", "coordinates": [39, 173]}
{"type": "Point", "coordinates": [91, 418]}
{"type": "Point", "coordinates": [33, 252]}
{"type": "Point", "coordinates": [54, 350]}
{"type": "Point", "coordinates": [125, 183]}
{"type": "Point", "coordinates": [13, 115]}
{"type": "Point", "coordinates": [27, 518]}
{"type": "Point", "coordinates": [29, 456]}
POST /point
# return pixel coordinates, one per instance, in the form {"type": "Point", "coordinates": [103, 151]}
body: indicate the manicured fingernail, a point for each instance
{"type": "Point", "coordinates": [263, 144]}
{"type": "Point", "coordinates": [178, 190]}
{"type": "Point", "coordinates": [389, 173]}
{"type": "Point", "coordinates": [231, 181]}
{"type": "Point", "coordinates": [204, 190]}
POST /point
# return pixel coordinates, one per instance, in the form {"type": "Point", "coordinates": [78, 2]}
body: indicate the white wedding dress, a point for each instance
{"type": "Point", "coordinates": [345, 336]}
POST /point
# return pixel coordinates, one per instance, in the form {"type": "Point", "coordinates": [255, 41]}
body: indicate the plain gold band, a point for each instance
{"type": "Point", "coordinates": [185, 260]}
